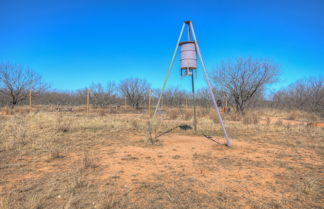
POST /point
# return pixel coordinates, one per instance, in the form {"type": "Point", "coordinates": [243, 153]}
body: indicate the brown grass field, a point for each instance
{"type": "Point", "coordinates": [52, 158]}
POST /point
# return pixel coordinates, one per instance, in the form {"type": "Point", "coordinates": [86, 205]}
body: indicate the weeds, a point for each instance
{"type": "Point", "coordinates": [279, 123]}
{"type": "Point", "coordinates": [172, 114]}
{"type": "Point", "coordinates": [88, 161]}
{"type": "Point", "coordinates": [250, 118]}
{"type": "Point", "coordinates": [135, 124]}
{"type": "Point", "coordinates": [4, 203]}
{"type": "Point", "coordinates": [186, 172]}
{"type": "Point", "coordinates": [188, 114]}
{"type": "Point", "coordinates": [63, 125]}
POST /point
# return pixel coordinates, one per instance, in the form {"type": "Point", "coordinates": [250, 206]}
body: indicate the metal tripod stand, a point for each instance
{"type": "Point", "coordinates": [191, 29]}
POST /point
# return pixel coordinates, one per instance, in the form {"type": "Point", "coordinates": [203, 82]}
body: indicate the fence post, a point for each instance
{"type": "Point", "coordinates": [30, 101]}
{"type": "Point", "coordinates": [125, 103]}
{"type": "Point", "coordinates": [186, 103]}
{"type": "Point", "coordinates": [88, 101]}
{"type": "Point", "coordinates": [149, 103]}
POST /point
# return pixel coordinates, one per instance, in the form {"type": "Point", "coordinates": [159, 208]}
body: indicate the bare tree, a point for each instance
{"type": "Point", "coordinates": [243, 79]}
{"type": "Point", "coordinates": [306, 94]}
{"type": "Point", "coordinates": [16, 81]}
{"type": "Point", "coordinates": [175, 97]}
{"type": "Point", "coordinates": [135, 90]}
{"type": "Point", "coordinates": [102, 96]}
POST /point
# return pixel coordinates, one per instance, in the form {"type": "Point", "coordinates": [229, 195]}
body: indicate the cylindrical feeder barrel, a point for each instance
{"type": "Point", "coordinates": [188, 59]}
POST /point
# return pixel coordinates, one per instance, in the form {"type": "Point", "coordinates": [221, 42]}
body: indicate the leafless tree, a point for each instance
{"type": "Point", "coordinates": [306, 94]}
{"type": "Point", "coordinates": [175, 97]}
{"type": "Point", "coordinates": [101, 96]}
{"type": "Point", "coordinates": [135, 90]}
{"type": "Point", "coordinates": [16, 81]}
{"type": "Point", "coordinates": [243, 79]}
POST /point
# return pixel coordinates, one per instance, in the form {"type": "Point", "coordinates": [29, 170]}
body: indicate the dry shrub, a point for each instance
{"type": "Point", "coordinates": [268, 121]}
{"type": "Point", "coordinates": [292, 116]}
{"type": "Point", "coordinates": [14, 133]}
{"type": "Point", "coordinates": [311, 117]}
{"type": "Point", "coordinates": [302, 116]}
{"type": "Point", "coordinates": [88, 161]}
{"type": "Point", "coordinates": [21, 110]}
{"type": "Point", "coordinates": [213, 116]}
{"type": "Point", "coordinates": [35, 202]}
{"type": "Point", "coordinates": [55, 153]}
{"type": "Point", "coordinates": [202, 112]}
{"type": "Point", "coordinates": [108, 201]}
{"type": "Point", "coordinates": [172, 114]}
{"type": "Point", "coordinates": [63, 124]}
{"type": "Point", "coordinates": [188, 114]}
{"type": "Point", "coordinates": [8, 111]}
{"type": "Point", "coordinates": [113, 110]}
{"type": "Point", "coordinates": [288, 126]}
{"type": "Point", "coordinates": [102, 112]}
{"type": "Point", "coordinates": [278, 123]}
{"type": "Point", "coordinates": [4, 203]}
{"type": "Point", "coordinates": [233, 116]}
{"type": "Point", "coordinates": [134, 124]}
{"type": "Point", "coordinates": [250, 118]}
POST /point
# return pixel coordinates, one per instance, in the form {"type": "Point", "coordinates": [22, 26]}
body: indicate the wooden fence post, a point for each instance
{"type": "Point", "coordinates": [186, 103]}
{"type": "Point", "coordinates": [30, 101]}
{"type": "Point", "coordinates": [88, 101]}
{"type": "Point", "coordinates": [125, 103]}
{"type": "Point", "coordinates": [149, 103]}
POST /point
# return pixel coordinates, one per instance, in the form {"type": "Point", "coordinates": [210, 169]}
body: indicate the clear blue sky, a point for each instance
{"type": "Point", "coordinates": [75, 43]}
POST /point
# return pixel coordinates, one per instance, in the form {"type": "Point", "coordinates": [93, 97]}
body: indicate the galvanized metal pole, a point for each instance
{"type": "Point", "coordinates": [168, 73]}
{"type": "Point", "coordinates": [193, 87]}
{"type": "Point", "coordinates": [194, 103]}
{"type": "Point", "coordinates": [209, 85]}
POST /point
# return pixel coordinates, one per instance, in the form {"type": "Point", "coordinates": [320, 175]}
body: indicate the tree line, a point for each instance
{"type": "Point", "coordinates": [240, 84]}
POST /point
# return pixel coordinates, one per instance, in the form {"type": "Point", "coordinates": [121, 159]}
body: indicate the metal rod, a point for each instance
{"type": "Point", "coordinates": [194, 103]}
{"type": "Point", "coordinates": [168, 73]}
{"type": "Point", "coordinates": [209, 85]}
{"type": "Point", "coordinates": [188, 33]}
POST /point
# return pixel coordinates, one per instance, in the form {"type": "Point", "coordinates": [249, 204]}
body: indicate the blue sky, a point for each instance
{"type": "Point", "coordinates": [74, 43]}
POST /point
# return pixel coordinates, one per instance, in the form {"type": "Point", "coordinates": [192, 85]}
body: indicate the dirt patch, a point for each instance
{"type": "Point", "coordinates": [95, 165]}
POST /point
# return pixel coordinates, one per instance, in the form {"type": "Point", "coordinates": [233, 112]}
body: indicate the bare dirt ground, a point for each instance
{"type": "Point", "coordinates": [74, 160]}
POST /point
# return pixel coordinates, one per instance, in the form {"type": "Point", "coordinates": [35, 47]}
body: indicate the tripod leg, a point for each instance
{"type": "Point", "coordinates": [194, 103]}
{"type": "Point", "coordinates": [168, 73]}
{"type": "Point", "coordinates": [209, 86]}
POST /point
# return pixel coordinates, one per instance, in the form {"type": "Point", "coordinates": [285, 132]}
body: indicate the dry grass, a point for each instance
{"type": "Point", "coordinates": [250, 118]}
{"type": "Point", "coordinates": [188, 114]}
{"type": "Point", "coordinates": [302, 116]}
{"type": "Point", "coordinates": [173, 113]}
{"type": "Point", "coordinates": [73, 160]}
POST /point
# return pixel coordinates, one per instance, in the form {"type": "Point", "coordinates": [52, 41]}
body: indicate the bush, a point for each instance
{"type": "Point", "coordinates": [213, 116]}
{"type": "Point", "coordinates": [63, 124]}
{"type": "Point", "coordinates": [188, 114]}
{"type": "Point", "coordinates": [173, 114]}
{"type": "Point", "coordinates": [251, 118]}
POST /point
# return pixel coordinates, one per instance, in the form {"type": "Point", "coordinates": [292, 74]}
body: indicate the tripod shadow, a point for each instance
{"type": "Point", "coordinates": [182, 127]}
{"type": "Point", "coordinates": [211, 138]}
{"type": "Point", "coordinates": [187, 127]}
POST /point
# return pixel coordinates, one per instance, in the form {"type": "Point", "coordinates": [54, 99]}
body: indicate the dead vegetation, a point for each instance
{"type": "Point", "coordinates": [73, 160]}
